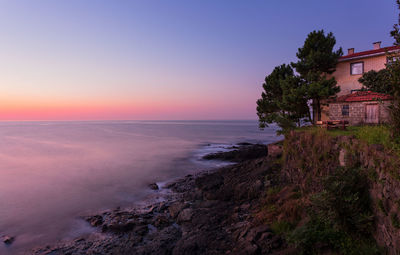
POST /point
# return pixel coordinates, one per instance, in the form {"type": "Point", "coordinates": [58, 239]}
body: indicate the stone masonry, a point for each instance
{"type": "Point", "coordinates": [357, 111]}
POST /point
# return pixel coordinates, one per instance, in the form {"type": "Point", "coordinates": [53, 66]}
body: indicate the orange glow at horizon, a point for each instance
{"type": "Point", "coordinates": [13, 110]}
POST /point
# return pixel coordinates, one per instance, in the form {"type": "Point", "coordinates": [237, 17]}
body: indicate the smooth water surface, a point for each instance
{"type": "Point", "coordinates": [53, 172]}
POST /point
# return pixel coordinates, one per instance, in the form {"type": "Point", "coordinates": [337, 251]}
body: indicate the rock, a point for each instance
{"type": "Point", "coordinates": [95, 220]}
{"type": "Point", "coordinates": [244, 153]}
{"type": "Point", "coordinates": [244, 144]}
{"type": "Point", "coordinates": [176, 208]}
{"type": "Point", "coordinates": [274, 150]}
{"type": "Point", "coordinates": [206, 213]}
{"type": "Point", "coordinates": [255, 189]}
{"type": "Point", "coordinates": [8, 239]}
{"type": "Point", "coordinates": [161, 221]}
{"type": "Point", "coordinates": [121, 226]}
{"type": "Point", "coordinates": [153, 186]}
{"type": "Point", "coordinates": [185, 215]}
{"type": "Point", "coordinates": [208, 203]}
{"type": "Point", "coordinates": [255, 233]}
{"type": "Point", "coordinates": [141, 230]}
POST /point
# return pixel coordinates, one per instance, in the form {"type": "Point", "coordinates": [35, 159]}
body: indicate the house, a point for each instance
{"type": "Point", "coordinates": [351, 103]}
{"type": "Point", "coordinates": [361, 107]}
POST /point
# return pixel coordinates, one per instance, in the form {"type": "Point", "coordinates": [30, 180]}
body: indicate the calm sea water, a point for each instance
{"type": "Point", "coordinates": [53, 172]}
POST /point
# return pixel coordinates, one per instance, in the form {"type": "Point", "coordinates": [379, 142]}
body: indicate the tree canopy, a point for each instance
{"type": "Point", "coordinates": [282, 101]}
{"type": "Point", "coordinates": [286, 94]}
{"type": "Point", "coordinates": [377, 81]}
{"type": "Point", "coordinates": [317, 59]}
{"type": "Point", "coordinates": [317, 55]}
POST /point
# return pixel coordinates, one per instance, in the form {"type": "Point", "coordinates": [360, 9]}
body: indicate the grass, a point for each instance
{"type": "Point", "coordinates": [379, 134]}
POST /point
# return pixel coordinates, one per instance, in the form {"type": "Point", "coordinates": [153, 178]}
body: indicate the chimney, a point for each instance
{"type": "Point", "coordinates": [377, 45]}
{"type": "Point", "coordinates": [350, 51]}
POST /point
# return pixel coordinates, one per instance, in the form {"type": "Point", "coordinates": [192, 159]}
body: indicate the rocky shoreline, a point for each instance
{"type": "Point", "coordinates": [209, 213]}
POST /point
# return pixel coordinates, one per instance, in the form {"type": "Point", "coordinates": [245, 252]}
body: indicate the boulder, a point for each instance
{"type": "Point", "coordinates": [153, 186]}
{"type": "Point", "coordinates": [8, 239]}
{"type": "Point", "coordinates": [95, 220]}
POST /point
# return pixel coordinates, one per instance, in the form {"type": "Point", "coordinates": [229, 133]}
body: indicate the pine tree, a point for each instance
{"type": "Point", "coordinates": [282, 101]}
{"type": "Point", "coordinates": [317, 60]}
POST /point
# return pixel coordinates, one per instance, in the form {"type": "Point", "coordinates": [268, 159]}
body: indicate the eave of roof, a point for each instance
{"type": "Point", "coordinates": [369, 53]}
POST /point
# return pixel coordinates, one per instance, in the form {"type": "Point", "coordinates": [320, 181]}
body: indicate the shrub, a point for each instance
{"type": "Point", "coordinates": [282, 227]}
{"type": "Point", "coordinates": [340, 216]}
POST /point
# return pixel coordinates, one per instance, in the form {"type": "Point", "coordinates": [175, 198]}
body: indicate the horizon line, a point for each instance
{"type": "Point", "coordinates": [97, 120]}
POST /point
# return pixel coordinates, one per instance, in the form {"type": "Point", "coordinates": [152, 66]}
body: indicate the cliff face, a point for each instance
{"type": "Point", "coordinates": [309, 158]}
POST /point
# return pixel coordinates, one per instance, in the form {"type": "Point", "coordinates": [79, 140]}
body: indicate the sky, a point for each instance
{"type": "Point", "coordinates": [164, 60]}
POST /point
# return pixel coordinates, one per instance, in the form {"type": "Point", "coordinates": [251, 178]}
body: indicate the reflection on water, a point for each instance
{"type": "Point", "coordinates": [52, 172]}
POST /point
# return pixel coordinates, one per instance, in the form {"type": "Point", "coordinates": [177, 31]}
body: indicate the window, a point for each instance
{"type": "Point", "coordinates": [392, 59]}
{"type": "Point", "coordinates": [345, 110]}
{"type": "Point", "coordinates": [357, 68]}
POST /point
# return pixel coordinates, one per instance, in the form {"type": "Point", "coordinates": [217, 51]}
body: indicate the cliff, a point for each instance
{"type": "Point", "coordinates": [344, 195]}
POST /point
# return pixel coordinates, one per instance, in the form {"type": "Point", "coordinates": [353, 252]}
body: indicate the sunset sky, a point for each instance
{"type": "Point", "coordinates": [97, 60]}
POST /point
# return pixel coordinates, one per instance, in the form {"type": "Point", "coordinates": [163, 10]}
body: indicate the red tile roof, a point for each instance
{"type": "Point", "coordinates": [369, 52]}
{"type": "Point", "coordinates": [361, 96]}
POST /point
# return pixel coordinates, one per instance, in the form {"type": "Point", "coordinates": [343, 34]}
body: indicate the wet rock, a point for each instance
{"type": "Point", "coordinates": [242, 154]}
{"type": "Point", "coordinates": [185, 215]}
{"type": "Point", "coordinates": [161, 221]}
{"type": "Point", "coordinates": [244, 144]}
{"type": "Point", "coordinates": [176, 208]}
{"type": "Point", "coordinates": [141, 230]}
{"type": "Point", "coordinates": [95, 220]}
{"type": "Point", "coordinates": [153, 186]}
{"type": "Point", "coordinates": [8, 239]}
{"type": "Point", "coordinates": [120, 226]}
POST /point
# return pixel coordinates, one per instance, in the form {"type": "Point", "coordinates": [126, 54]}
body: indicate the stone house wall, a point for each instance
{"type": "Point", "coordinates": [357, 111]}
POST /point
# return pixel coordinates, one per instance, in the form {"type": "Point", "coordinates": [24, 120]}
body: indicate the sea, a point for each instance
{"type": "Point", "coordinates": [53, 173]}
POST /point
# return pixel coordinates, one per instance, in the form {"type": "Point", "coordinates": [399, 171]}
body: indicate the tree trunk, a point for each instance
{"type": "Point", "coordinates": [319, 109]}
